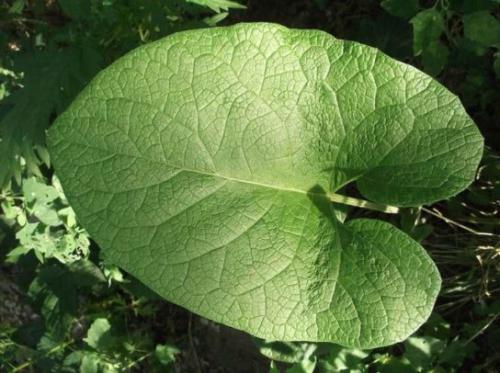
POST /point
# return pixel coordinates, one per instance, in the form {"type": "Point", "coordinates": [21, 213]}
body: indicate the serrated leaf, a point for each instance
{"type": "Point", "coordinates": [39, 197]}
{"type": "Point", "coordinates": [204, 164]}
{"type": "Point", "coordinates": [51, 79]}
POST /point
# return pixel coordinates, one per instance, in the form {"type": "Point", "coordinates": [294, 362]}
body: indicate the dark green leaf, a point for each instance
{"type": "Point", "coordinates": [455, 353]}
{"type": "Point", "coordinates": [435, 57]}
{"type": "Point", "coordinates": [51, 79]}
{"type": "Point", "coordinates": [428, 25]}
{"type": "Point", "coordinates": [422, 351]}
{"type": "Point", "coordinates": [482, 28]}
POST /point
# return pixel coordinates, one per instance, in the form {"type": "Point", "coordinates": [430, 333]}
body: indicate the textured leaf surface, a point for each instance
{"type": "Point", "coordinates": [200, 164]}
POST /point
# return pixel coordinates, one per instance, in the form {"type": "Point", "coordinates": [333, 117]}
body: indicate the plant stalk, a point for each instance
{"type": "Point", "coordinates": [356, 202]}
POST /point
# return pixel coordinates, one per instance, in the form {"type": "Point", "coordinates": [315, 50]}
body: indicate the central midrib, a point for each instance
{"type": "Point", "coordinates": [332, 197]}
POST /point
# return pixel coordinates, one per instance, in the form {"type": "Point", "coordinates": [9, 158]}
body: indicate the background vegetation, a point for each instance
{"type": "Point", "coordinates": [64, 309]}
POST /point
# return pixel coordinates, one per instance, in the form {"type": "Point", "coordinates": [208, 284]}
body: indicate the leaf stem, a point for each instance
{"type": "Point", "coordinates": [356, 202]}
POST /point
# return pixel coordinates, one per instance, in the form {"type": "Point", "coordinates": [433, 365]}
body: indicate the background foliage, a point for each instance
{"type": "Point", "coordinates": [63, 308]}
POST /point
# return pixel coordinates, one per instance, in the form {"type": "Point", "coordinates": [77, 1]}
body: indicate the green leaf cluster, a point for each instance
{"type": "Point", "coordinates": [469, 26]}
{"type": "Point", "coordinates": [64, 311]}
{"type": "Point", "coordinates": [45, 224]}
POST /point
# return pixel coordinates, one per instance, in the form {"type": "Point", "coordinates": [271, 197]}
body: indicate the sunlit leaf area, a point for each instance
{"type": "Point", "coordinates": [285, 186]}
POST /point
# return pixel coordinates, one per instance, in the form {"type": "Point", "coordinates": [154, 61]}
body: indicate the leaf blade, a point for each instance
{"type": "Point", "coordinates": [192, 159]}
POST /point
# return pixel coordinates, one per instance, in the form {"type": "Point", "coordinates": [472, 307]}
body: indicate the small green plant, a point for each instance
{"type": "Point", "coordinates": [60, 292]}
{"type": "Point", "coordinates": [46, 225]}
{"type": "Point", "coordinates": [207, 165]}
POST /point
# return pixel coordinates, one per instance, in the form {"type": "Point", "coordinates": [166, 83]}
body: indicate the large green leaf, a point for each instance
{"type": "Point", "coordinates": [204, 164]}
